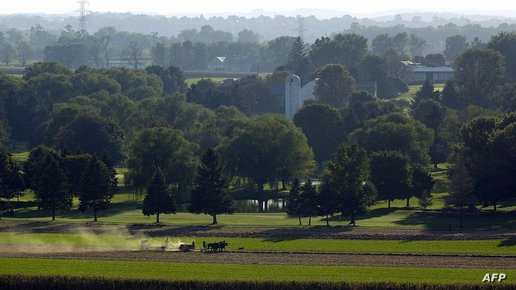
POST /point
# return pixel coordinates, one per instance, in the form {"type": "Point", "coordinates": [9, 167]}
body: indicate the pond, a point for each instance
{"type": "Point", "coordinates": [250, 206]}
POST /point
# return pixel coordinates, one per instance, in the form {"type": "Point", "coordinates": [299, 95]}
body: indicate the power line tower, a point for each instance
{"type": "Point", "coordinates": [300, 26]}
{"type": "Point", "coordinates": [83, 12]}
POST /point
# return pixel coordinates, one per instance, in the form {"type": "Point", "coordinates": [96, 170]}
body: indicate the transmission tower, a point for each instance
{"type": "Point", "coordinates": [300, 26]}
{"type": "Point", "coordinates": [83, 11]}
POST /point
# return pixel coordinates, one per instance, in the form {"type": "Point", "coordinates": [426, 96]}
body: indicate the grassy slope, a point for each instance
{"type": "Point", "coordinates": [484, 247]}
{"type": "Point", "coordinates": [190, 271]}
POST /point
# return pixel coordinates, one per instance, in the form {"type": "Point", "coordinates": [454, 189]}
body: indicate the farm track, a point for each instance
{"type": "Point", "coordinates": [278, 233]}
{"type": "Point", "coordinates": [287, 258]}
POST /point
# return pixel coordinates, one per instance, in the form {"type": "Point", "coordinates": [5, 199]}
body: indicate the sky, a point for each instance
{"type": "Point", "coordinates": [223, 7]}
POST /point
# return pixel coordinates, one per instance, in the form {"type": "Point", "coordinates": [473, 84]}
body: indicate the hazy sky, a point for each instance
{"type": "Point", "coordinates": [196, 7]}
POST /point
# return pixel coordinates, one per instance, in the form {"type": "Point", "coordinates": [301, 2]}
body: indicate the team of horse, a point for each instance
{"type": "Point", "coordinates": [215, 247]}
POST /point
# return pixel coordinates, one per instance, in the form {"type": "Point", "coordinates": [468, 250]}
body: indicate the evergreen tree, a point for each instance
{"type": "Point", "coordinates": [308, 202]}
{"type": "Point", "coordinates": [450, 97]}
{"type": "Point", "coordinates": [51, 191]}
{"type": "Point", "coordinates": [96, 188]}
{"type": "Point", "coordinates": [210, 195]}
{"type": "Point", "coordinates": [461, 189]}
{"type": "Point", "coordinates": [327, 200]}
{"type": "Point", "coordinates": [297, 54]}
{"type": "Point", "coordinates": [426, 92]}
{"type": "Point", "coordinates": [159, 198]}
{"type": "Point", "coordinates": [293, 206]}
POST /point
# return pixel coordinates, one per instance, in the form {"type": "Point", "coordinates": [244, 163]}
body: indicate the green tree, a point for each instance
{"type": "Point", "coordinates": [395, 132]}
{"type": "Point", "coordinates": [348, 176]}
{"type": "Point", "coordinates": [210, 194]}
{"type": "Point", "coordinates": [96, 188]}
{"type": "Point", "coordinates": [11, 181]}
{"type": "Point", "coordinates": [450, 96]}
{"type": "Point", "coordinates": [322, 126]}
{"type": "Point", "coordinates": [391, 174]}
{"type": "Point", "coordinates": [327, 199]}
{"type": "Point", "coordinates": [159, 198]}
{"type": "Point", "coordinates": [429, 112]}
{"type": "Point", "coordinates": [478, 72]}
{"type": "Point", "coordinates": [334, 85]}
{"type": "Point", "coordinates": [51, 190]}
{"type": "Point", "coordinates": [426, 92]}
{"type": "Point", "coordinates": [73, 167]}
{"type": "Point", "coordinates": [269, 149]}
{"type": "Point", "coordinates": [421, 185]}
{"type": "Point", "coordinates": [297, 54]}
{"type": "Point", "coordinates": [172, 78]}
{"type": "Point", "coordinates": [505, 44]}
{"type": "Point", "coordinates": [164, 148]}
{"type": "Point", "coordinates": [461, 189]}
{"type": "Point", "coordinates": [489, 157]}
{"type": "Point", "coordinates": [34, 166]}
{"type": "Point", "coordinates": [308, 200]}
{"type": "Point", "coordinates": [293, 206]}
{"type": "Point", "coordinates": [93, 135]}
{"type": "Point", "coordinates": [455, 45]}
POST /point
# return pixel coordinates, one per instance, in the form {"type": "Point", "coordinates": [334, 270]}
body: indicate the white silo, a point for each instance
{"type": "Point", "coordinates": [292, 95]}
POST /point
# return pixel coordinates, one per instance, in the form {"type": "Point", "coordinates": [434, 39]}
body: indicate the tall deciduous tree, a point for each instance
{"type": "Point", "coordinates": [96, 187]}
{"type": "Point", "coordinates": [334, 85]}
{"type": "Point", "coordinates": [34, 166]}
{"type": "Point", "coordinates": [489, 154]}
{"type": "Point", "coordinates": [348, 176]}
{"type": "Point", "coordinates": [455, 45]}
{"type": "Point", "coordinates": [321, 124]}
{"type": "Point", "coordinates": [159, 198]}
{"type": "Point", "coordinates": [51, 192]}
{"type": "Point", "coordinates": [269, 149]}
{"type": "Point", "coordinates": [390, 173]}
{"type": "Point", "coordinates": [164, 148]}
{"type": "Point", "coordinates": [478, 72]}
{"type": "Point", "coordinates": [395, 132]}
{"type": "Point", "coordinates": [211, 195]}
{"type": "Point", "coordinates": [505, 44]}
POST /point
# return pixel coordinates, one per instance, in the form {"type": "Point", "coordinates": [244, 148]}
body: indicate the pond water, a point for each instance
{"type": "Point", "coordinates": [250, 206]}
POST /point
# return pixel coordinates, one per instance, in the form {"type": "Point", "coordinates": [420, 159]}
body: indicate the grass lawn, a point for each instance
{"type": "Point", "coordinates": [192, 81]}
{"type": "Point", "coordinates": [409, 96]}
{"type": "Point", "coordinates": [484, 247]}
{"type": "Point", "coordinates": [191, 271]}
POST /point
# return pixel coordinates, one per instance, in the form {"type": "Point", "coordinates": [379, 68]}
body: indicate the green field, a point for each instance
{"type": "Point", "coordinates": [191, 271]}
{"type": "Point", "coordinates": [481, 247]}
{"type": "Point", "coordinates": [192, 81]}
{"type": "Point", "coordinates": [409, 96]}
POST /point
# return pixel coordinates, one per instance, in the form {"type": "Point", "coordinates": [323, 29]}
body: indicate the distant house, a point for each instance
{"type": "Point", "coordinates": [420, 74]}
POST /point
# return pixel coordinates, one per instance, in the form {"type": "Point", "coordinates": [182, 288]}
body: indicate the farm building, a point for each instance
{"type": "Point", "coordinates": [420, 74]}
